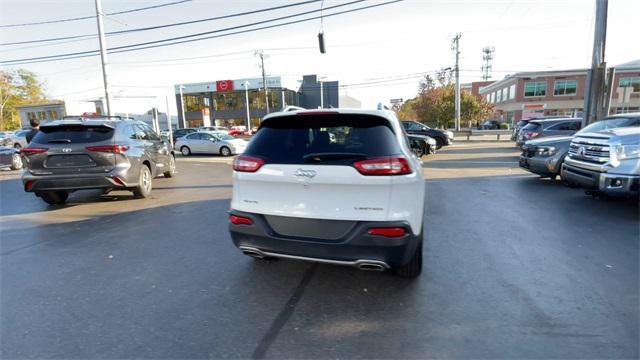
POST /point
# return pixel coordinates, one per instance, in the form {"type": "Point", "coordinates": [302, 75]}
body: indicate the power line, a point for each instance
{"type": "Point", "coordinates": [88, 36]}
{"type": "Point", "coordinates": [92, 17]}
{"type": "Point", "coordinates": [137, 47]}
{"type": "Point", "coordinates": [115, 49]}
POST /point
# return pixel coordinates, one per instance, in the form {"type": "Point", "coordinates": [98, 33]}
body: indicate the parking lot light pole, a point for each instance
{"type": "Point", "coordinates": [169, 122]}
{"type": "Point", "coordinates": [246, 97]}
{"type": "Point", "coordinates": [184, 120]}
{"type": "Point", "coordinates": [322, 92]}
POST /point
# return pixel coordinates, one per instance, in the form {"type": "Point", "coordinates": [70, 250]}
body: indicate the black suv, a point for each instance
{"type": "Point", "coordinates": [100, 153]}
{"type": "Point", "coordinates": [441, 137]}
{"type": "Point", "coordinates": [182, 132]}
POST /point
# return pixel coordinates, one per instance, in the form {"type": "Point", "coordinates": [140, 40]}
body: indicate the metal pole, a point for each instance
{"type": "Point", "coordinates": [103, 55]}
{"type": "Point", "coordinates": [184, 120]}
{"type": "Point", "coordinates": [609, 91]}
{"type": "Point", "coordinates": [595, 81]}
{"type": "Point", "coordinates": [284, 104]}
{"type": "Point", "coordinates": [156, 126]}
{"type": "Point", "coordinates": [246, 96]}
{"type": "Point", "coordinates": [264, 78]}
{"type": "Point", "coordinates": [321, 96]}
{"type": "Point", "coordinates": [457, 70]}
{"type": "Point", "coordinates": [169, 122]}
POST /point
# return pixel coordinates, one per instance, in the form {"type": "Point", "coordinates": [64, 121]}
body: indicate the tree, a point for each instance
{"type": "Point", "coordinates": [18, 87]}
{"type": "Point", "coordinates": [435, 106]}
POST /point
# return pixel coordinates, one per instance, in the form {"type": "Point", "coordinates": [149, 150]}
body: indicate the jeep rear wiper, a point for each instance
{"type": "Point", "coordinates": [322, 156]}
{"type": "Point", "coordinates": [56, 141]}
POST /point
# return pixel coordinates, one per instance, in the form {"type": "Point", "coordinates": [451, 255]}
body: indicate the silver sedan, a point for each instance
{"type": "Point", "coordinates": [210, 143]}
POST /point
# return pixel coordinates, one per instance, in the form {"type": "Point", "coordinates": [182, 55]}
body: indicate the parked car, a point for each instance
{"type": "Point", "coordinates": [515, 134]}
{"type": "Point", "coordinates": [548, 127]}
{"type": "Point", "coordinates": [422, 145]}
{"type": "Point", "coordinates": [18, 139]}
{"type": "Point", "coordinates": [108, 154]}
{"type": "Point", "coordinates": [210, 143]}
{"type": "Point", "coordinates": [605, 157]}
{"type": "Point", "coordinates": [490, 125]}
{"type": "Point", "coordinates": [442, 137]}
{"type": "Point", "coordinates": [545, 156]}
{"type": "Point", "coordinates": [214, 128]}
{"type": "Point", "coordinates": [10, 158]}
{"type": "Point", "coordinates": [178, 133]}
{"type": "Point", "coordinates": [5, 138]}
{"type": "Point", "coordinates": [355, 201]}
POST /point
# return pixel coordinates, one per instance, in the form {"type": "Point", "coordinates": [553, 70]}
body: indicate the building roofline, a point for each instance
{"type": "Point", "coordinates": [60, 102]}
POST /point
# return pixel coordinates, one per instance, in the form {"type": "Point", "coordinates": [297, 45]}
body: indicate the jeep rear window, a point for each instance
{"type": "Point", "coordinates": [72, 134]}
{"type": "Point", "coordinates": [295, 139]}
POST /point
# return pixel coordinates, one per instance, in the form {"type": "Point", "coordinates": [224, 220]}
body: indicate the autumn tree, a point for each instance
{"type": "Point", "coordinates": [435, 102]}
{"type": "Point", "coordinates": [18, 87]}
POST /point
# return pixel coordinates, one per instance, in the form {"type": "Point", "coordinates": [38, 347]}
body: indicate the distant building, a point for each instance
{"type": "Point", "coordinates": [57, 109]}
{"type": "Point", "coordinates": [346, 101]}
{"type": "Point", "coordinates": [558, 92]}
{"type": "Point", "coordinates": [223, 102]}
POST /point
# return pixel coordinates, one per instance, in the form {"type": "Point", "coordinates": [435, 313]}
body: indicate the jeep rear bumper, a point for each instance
{"type": "Point", "coordinates": [355, 248]}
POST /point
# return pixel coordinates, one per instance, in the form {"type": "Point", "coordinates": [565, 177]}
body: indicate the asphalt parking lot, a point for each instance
{"type": "Point", "coordinates": [515, 267]}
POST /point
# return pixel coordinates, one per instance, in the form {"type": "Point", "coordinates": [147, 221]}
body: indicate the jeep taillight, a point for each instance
{"type": "Point", "coordinates": [240, 220]}
{"type": "Point", "coordinates": [246, 163]}
{"type": "Point", "coordinates": [397, 165]}
{"type": "Point", "coordinates": [118, 149]}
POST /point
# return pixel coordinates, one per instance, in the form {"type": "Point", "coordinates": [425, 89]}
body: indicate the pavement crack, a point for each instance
{"type": "Point", "coordinates": [284, 315]}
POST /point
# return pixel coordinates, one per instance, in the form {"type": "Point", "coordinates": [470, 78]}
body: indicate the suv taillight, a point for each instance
{"type": "Point", "coordinates": [32, 150]}
{"type": "Point", "coordinates": [397, 165]}
{"type": "Point", "coordinates": [532, 134]}
{"type": "Point", "coordinates": [246, 163]}
{"type": "Point", "coordinates": [119, 149]}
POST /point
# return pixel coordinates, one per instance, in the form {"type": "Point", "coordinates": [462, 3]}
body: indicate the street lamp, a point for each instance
{"type": "Point", "coordinates": [246, 96]}
{"type": "Point", "coordinates": [321, 92]}
{"type": "Point", "coordinates": [184, 120]}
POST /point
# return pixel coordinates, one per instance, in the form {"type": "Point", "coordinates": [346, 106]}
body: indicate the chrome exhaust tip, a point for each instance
{"type": "Point", "coordinates": [255, 253]}
{"type": "Point", "coordinates": [367, 266]}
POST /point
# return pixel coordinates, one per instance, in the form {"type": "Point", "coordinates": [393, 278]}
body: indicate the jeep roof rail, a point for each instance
{"type": "Point", "coordinates": [95, 117]}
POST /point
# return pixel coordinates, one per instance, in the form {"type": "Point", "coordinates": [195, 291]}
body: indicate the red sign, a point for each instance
{"type": "Point", "coordinates": [224, 85]}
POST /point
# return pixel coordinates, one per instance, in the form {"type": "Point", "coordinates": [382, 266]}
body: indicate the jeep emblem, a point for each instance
{"type": "Point", "coordinates": [305, 173]}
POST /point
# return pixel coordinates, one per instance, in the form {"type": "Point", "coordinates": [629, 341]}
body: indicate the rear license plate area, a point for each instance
{"type": "Point", "coordinates": [67, 161]}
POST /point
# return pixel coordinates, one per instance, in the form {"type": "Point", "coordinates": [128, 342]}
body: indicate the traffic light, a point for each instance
{"type": "Point", "coordinates": [321, 42]}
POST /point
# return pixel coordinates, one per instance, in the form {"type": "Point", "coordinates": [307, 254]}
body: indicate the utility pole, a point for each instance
{"type": "Point", "coordinates": [184, 120]}
{"type": "Point", "coordinates": [456, 47]}
{"type": "Point", "coordinates": [487, 58]}
{"type": "Point", "coordinates": [594, 97]}
{"type": "Point", "coordinates": [169, 122]}
{"type": "Point", "coordinates": [260, 54]}
{"type": "Point", "coordinates": [246, 96]}
{"type": "Point", "coordinates": [103, 55]}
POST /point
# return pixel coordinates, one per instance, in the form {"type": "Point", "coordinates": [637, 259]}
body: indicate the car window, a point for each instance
{"type": "Point", "coordinates": [289, 140]}
{"type": "Point", "coordinates": [129, 132]}
{"type": "Point", "coordinates": [532, 127]}
{"type": "Point", "coordinates": [195, 136]}
{"type": "Point", "coordinates": [72, 134]}
{"type": "Point", "coordinates": [560, 126]}
{"type": "Point", "coordinates": [150, 133]}
{"type": "Point", "coordinates": [208, 137]}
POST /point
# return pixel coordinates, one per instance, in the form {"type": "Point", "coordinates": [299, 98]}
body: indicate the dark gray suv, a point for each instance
{"type": "Point", "coordinates": [102, 153]}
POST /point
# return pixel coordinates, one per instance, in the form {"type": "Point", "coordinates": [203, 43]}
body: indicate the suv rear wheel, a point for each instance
{"type": "Point", "coordinates": [16, 162]}
{"type": "Point", "coordinates": [54, 197]}
{"type": "Point", "coordinates": [144, 183]}
{"type": "Point", "coordinates": [172, 168]}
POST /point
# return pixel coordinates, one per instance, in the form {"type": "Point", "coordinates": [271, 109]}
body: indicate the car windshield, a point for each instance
{"type": "Point", "coordinates": [72, 134]}
{"type": "Point", "coordinates": [610, 123]}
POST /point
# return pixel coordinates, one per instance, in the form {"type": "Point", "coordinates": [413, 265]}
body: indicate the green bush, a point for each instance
{"type": "Point", "coordinates": [504, 126]}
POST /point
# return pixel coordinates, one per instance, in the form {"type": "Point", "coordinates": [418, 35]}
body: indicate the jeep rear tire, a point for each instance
{"type": "Point", "coordinates": [413, 268]}
{"type": "Point", "coordinates": [54, 197]}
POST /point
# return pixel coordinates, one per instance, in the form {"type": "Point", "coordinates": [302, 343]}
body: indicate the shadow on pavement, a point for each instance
{"type": "Point", "coordinates": [485, 162]}
{"type": "Point", "coordinates": [481, 150]}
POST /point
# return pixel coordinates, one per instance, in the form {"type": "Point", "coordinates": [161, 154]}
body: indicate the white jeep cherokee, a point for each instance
{"type": "Point", "coordinates": [332, 186]}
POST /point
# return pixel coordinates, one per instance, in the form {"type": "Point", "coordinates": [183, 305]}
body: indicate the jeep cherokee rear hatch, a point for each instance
{"type": "Point", "coordinates": [325, 165]}
{"type": "Point", "coordinates": [72, 148]}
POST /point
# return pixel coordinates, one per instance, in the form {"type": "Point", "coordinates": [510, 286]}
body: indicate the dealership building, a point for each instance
{"type": "Point", "coordinates": [546, 93]}
{"type": "Point", "coordinates": [223, 102]}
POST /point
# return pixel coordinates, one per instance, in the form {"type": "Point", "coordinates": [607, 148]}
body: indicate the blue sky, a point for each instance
{"type": "Point", "coordinates": [391, 42]}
